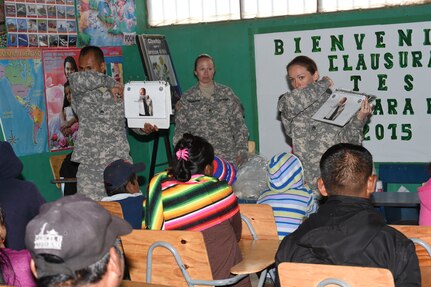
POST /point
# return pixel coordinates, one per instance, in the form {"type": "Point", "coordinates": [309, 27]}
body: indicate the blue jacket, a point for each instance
{"type": "Point", "coordinates": [132, 206]}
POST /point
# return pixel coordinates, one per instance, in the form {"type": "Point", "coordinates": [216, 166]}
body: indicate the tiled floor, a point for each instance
{"type": "Point", "coordinates": [255, 281]}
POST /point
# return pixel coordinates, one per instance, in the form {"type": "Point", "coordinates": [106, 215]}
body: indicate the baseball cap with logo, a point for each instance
{"type": "Point", "coordinates": [117, 173]}
{"type": "Point", "coordinates": [74, 228]}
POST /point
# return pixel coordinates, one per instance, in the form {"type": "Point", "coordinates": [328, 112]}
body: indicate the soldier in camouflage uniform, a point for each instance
{"type": "Point", "coordinates": [102, 134]}
{"type": "Point", "coordinates": [312, 138]}
{"type": "Point", "coordinates": [212, 111]}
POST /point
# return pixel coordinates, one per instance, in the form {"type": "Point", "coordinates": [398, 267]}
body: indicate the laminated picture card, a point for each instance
{"type": "Point", "coordinates": [340, 107]}
{"type": "Point", "coordinates": [147, 102]}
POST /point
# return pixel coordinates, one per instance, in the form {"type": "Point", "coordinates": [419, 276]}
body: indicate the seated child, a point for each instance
{"type": "Point", "coordinates": [188, 197]}
{"type": "Point", "coordinates": [291, 199]}
{"type": "Point", "coordinates": [121, 184]}
{"type": "Point", "coordinates": [424, 193]}
{"type": "Point", "coordinates": [15, 265]}
{"type": "Point", "coordinates": [224, 170]}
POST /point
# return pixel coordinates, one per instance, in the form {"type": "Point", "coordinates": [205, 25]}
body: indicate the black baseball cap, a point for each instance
{"type": "Point", "coordinates": [117, 173]}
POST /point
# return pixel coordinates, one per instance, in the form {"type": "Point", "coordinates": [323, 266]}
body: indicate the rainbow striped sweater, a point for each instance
{"type": "Point", "coordinates": [198, 204]}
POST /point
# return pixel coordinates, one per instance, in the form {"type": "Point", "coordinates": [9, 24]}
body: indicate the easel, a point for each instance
{"type": "Point", "coordinates": [157, 45]}
{"type": "Point", "coordinates": [165, 134]}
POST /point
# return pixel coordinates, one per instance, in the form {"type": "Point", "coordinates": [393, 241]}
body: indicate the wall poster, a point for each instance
{"type": "Point", "coordinates": [22, 105]}
{"type": "Point", "coordinates": [40, 23]}
{"type": "Point", "coordinates": [107, 22]}
{"type": "Point", "coordinates": [3, 37]}
{"type": "Point", "coordinates": [158, 62]}
{"type": "Point", "coordinates": [63, 124]}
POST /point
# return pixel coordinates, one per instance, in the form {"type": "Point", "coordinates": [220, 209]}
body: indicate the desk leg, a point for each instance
{"type": "Point", "coordinates": [262, 278]}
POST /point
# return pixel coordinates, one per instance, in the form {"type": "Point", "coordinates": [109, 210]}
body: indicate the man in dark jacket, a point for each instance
{"type": "Point", "coordinates": [19, 199]}
{"type": "Point", "coordinates": [347, 230]}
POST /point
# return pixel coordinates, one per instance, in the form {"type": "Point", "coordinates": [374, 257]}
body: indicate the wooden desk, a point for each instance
{"type": "Point", "coordinates": [426, 276]}
{"type": "Point", "coordinates": [398, 199]}
{"type": "Point", "coordinates": [257, 256]}
{"type": "Point", "coordinates": [128, 283]}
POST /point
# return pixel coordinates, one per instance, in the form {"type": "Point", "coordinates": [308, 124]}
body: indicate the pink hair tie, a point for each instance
{"type": "Point", "coordinates": [182, 154]}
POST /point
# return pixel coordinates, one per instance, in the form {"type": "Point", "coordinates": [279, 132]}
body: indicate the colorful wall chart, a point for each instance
{"type": "Point", "coordinates": [106, 23]}
{"type": "Point", "coordinates": [57, 63]}
{"type": "Point", "coordinates": [40, 23]}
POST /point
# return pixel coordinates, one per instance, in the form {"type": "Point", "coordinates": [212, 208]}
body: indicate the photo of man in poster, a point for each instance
{"type": "Point", "coordinates": [336, 110]}
{"type": "Point", "coordinates": [145, 103]}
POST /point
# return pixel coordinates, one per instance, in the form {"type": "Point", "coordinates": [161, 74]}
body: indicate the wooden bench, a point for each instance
{"type": "Point", "coordinates": [310, 275]}
{"type": "Point", "coordinates": [169, 257]}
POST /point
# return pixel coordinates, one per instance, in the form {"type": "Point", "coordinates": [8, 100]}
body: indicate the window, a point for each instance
{"type": "Point", "coordinates": [168, 12]}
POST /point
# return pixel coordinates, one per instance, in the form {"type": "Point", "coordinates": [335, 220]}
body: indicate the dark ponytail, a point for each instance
{"type": "Point", "coordinates": [191, 155]}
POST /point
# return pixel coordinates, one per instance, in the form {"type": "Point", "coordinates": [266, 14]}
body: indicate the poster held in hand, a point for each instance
{"type": "Point", "coordinates": [341, 106]}
{"type": "Point", "coordinates": [147, 102]}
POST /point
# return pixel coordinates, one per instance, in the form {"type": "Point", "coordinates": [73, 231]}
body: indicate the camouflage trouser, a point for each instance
{"type": "Point", "coordinates": [90, 181]}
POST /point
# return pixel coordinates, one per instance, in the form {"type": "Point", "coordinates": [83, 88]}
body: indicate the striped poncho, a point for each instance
{"type": "Point", "coordinates": [198, 204]}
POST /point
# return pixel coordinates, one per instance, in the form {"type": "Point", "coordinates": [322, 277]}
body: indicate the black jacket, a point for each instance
{"type": "Point", "coordinates": [19, 199]}
{"type": "Point", "coordinates": [349, 231]}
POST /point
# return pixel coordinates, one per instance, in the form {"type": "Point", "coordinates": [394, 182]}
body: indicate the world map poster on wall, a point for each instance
{"type": "Point", "coordinates": [22, 102]}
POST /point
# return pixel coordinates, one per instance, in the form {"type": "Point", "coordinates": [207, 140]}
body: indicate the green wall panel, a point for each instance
{"type": "Point", "coordinates": [231, 45]}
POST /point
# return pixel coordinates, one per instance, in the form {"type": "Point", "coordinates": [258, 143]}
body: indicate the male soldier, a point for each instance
{"type": "Point", "coordinates": [102, 134]}
{"type": "Point", "coordinates": [347, 230]}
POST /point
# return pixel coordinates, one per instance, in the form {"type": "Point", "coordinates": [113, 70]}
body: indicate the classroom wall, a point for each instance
{"type": "Point", "coordinates": [231, 45]}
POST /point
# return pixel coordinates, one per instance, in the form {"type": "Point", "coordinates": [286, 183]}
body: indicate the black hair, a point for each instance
{"type": "Point", "coordinates": [111, 190]}
{"type": "Point", "coordinates": [5, 263]}
{"type": "Point", "coordinates": [200, 154]}
{"type": "Point", "coordinates": [305, 62]}
{"type": "Point", "coordinates": [89, 275]}
{"type": "Point", "coordinates": [66, 102]}
{"type": "Point", "coordinates": [345, 169]}
{"type": "Point", "coordinates": [96, 51]}
{"type": "Point", "coordinates": [202, 56]}
{"type": "Point", "coordinates": [71, 60]}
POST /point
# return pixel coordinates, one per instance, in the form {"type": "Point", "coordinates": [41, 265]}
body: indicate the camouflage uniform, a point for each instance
{"type": "Point", "coordinates": [219, 119]}
{"type": "Point", "coordinates": [312, 138]}
{"type": "Point", "coordinates": [102, 134]}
